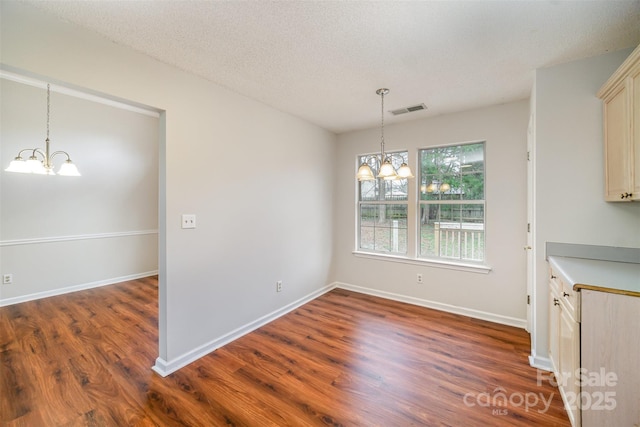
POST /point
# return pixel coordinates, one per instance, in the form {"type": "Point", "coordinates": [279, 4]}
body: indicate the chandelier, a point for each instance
{"type": "Point", "coordinates": [41, 162]}
{"type": "Point", "coordinates": [387, 171]}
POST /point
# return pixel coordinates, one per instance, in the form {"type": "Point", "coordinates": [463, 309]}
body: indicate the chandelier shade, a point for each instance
{"type": "Point", "coordinates": [404, 171]}
{"type": "Point", "coordinates": [365, 173]}
{"type": "Point", "coordinates": [387, 171]}
{"type": "Point", "coordinates": [68, 168]}
{"type": "Point", "coordinates": [18, 165]}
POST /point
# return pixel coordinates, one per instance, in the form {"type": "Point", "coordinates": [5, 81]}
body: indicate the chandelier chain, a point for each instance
{"type": "Point", "coordinates": [382, 126]}
{"type": "Point", "coordinates": [48, 107]}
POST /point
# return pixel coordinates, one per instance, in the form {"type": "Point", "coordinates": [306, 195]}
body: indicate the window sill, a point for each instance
{"type": "Point", "coordinates": [460, 266]}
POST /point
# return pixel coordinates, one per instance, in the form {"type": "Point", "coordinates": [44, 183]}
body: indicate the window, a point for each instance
{"type": "Point", "coordinates": [452, 203]}
{"type": "Point", "coordinates": [382, 210]}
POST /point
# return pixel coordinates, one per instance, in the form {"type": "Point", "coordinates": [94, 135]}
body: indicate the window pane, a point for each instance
{"type": "Point", "coordinates": [395, 189]}
{"type": "Point", "coordinates": [368, 190]}
{"type": "Point", "coordinates": [383, 227]}
{"type": "Point", "coordinates": [367, 235]}
{"type": "Point", "coordinates": [452, 231]}
{"type": "Point", "coordinates": [472, 186]}
{"type": "Point", "coordinates": [452, 173]}
{"type": "Point", "coordinates": [447, 229]}
{"type": "Point", "coordinates": [368, 219]}
{"type": "Point", "coordinates": [472, 232]}
{"type": "Point", "coordinates": [429, 215]}
{"type": "Point", "coordinates": [472, 157]}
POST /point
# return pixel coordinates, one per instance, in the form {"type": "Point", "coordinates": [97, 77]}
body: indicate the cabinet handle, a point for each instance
{"type": "Point", "coordinates": [564, 294]}
{"type": "Point", "coordinates": [556, 302]}
{"type": "Point", "coordinates": [554, 277]}
{"type": "Point", "coordinates": [625, 195]}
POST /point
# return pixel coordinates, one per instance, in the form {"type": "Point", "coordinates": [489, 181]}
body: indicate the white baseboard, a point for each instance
{"type": "Point", "coordinates": [164, 367]}
{"type": "Point", "coordinates": [477, 314]}
{"type": "Point", "coordinates": [542, 363]}
{"type": "Point", "coordinates": [69, 289]}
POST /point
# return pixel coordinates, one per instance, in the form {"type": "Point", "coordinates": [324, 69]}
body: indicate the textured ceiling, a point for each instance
{"type": "Point", "coordinates": [323, 61]}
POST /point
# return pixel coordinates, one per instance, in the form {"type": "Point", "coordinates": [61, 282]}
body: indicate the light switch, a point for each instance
{"type": "Point", "coordinates": [188, 221]}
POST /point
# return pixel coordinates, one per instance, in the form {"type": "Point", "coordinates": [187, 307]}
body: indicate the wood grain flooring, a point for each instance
{"type": "Point", "coordinates": [344, 359]}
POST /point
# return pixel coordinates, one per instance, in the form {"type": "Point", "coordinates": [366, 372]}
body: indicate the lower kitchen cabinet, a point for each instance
{"type": "Point", "coordinates": [564, 344]}
{"type": "Point", "coordinates": [594, 348]}
{"type": "Point", "coordinates": [610, 359]}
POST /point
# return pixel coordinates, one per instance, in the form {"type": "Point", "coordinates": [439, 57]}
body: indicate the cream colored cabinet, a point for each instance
{"type": "Point", "coordinates": [635, 119]}
{"type": "Point", "coordinates": [610, 341]}
{"type": "Point", "coordinates": [564, 344]}
{"type": "Point", "coordinates": [570, 364]}
{"type": "Point", "coordinates": [621, 105]}
{"type": "Point", "coordinates": [554, 328]}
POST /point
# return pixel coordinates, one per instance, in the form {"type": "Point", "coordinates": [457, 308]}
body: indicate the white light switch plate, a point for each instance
{"type": "Point", "coordinates": [188, 221]}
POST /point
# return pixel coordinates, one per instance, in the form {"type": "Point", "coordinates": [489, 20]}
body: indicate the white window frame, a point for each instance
{"type": "Point", "coordinates": [423, 203]}
{"type": "Point", "coordinates": [412, 256]}
{"type": "Point", "coordinates": [359, 203]}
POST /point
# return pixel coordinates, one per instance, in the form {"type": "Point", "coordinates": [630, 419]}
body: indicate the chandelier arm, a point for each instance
{"type": "Point", "coordinates": [371, 156]}
{"type": "Point", "coordinates": [26, 149]}
{"type": "Point", "coordinates": [59, 152]}
{"type": "Point", "coordinates": [37, 151]}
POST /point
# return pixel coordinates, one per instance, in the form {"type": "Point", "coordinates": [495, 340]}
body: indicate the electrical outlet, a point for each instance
{"type": "Point", "coordinates": [7, 279]}
{"type": "Point", "coordinates": [279, 286]}
{"type": "Point", "coordinates": [188, 221]}
{"type": "Point", "coordinates": [419, 278]}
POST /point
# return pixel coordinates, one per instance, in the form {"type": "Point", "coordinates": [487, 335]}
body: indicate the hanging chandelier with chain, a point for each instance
{"type": "Point", "coordinates": [386, 171]}
{"type": "Point", "coordinates": [41, 161]}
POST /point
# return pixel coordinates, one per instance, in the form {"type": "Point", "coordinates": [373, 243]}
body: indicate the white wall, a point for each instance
{"type": "Point", "coordinates": [260, 182]}
{"type": "Point", "coordinates": [499, 295]}
{"type": "Point", "coordinates": [570, 206]}
{"type": "Point", "coordinates": [60, 233]}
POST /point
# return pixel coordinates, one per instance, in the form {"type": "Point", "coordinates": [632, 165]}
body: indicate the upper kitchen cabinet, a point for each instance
{"type": "Point", "coordinates": [621, 98]}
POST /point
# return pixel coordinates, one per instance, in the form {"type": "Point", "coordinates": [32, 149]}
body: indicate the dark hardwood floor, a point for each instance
{"type": "Point", "coordinates": [344, 359]}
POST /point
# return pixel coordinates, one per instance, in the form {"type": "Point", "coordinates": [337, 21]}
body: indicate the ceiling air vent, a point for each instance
{"type": "Point", "coordinates": [408, 109]}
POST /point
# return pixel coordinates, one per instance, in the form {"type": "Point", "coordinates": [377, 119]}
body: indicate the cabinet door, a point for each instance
{"type": "Point", "coordinates": [570, 364]}
{"type": "Point", "coordinates": [616, 145]}
{"type": "Point", "coordinates": [635, 117]}
{"type": "Point", "coordinates": [610, 339]}
{"type": "Point", "coordinates": [554, 333]}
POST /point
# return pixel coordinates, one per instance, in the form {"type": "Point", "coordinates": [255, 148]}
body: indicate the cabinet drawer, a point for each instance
{"type": "Point", "coordinates": [567, 296]}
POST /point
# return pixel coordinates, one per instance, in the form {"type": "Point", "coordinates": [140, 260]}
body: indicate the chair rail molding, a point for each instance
{"type": "Point", "coordinates": [53, 239]}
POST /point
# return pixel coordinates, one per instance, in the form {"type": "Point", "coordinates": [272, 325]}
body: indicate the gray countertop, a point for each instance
{"type": "Point", "coordinates": [606, 276]}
